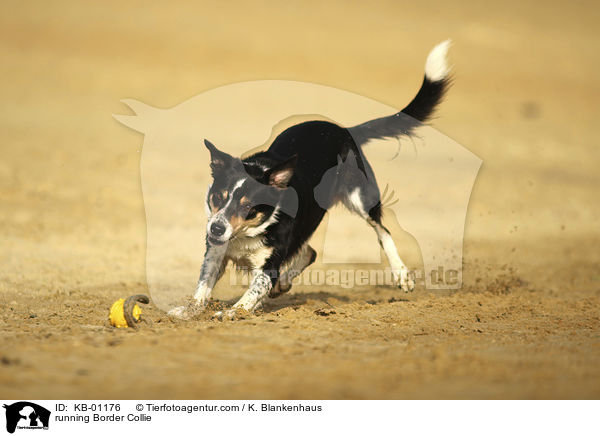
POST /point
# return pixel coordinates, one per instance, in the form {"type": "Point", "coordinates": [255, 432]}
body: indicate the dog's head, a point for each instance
{"type": "Point", "coordinates": [244, 197]}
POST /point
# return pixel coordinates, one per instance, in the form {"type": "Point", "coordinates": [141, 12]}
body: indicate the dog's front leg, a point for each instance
{"type": "Point", "coordinates": [262, 283]}
{"type": "Point", "coordinates": [212, 269]}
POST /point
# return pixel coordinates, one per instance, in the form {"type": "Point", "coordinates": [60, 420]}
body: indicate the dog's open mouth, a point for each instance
{"type": "Point", "coordinates": [214, 241]}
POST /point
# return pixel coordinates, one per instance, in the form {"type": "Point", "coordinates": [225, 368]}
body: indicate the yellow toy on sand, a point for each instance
{"type": "Point", "coordinates": [126, 313]}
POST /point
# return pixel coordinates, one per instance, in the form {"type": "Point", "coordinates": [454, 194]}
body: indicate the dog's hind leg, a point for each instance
{"type": "Point", "coordinates": [299, 263]}
{"type": "Point", "coordinates": [401, 274]}
{"type": "Point", "coordinates": [364, 201]}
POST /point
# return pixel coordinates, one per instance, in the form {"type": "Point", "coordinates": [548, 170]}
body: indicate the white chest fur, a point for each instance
{"type": "Point", "coordinates": [248, 251]}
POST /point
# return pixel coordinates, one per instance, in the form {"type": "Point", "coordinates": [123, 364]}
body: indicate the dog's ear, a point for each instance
{"type": "Point", "coordinates": [219, 160]}
{"type": "Point", "coordinates": [351, 159]}
{"type": "Point", "coordinates": [279, 176]}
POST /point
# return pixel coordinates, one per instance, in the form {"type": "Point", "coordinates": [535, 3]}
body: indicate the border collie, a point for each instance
{"type": "Point", "coordinates": [262, 210]}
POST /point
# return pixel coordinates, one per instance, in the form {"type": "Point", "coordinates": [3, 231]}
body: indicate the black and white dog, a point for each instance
{"type": "Point", "coordinates": [262, 210]}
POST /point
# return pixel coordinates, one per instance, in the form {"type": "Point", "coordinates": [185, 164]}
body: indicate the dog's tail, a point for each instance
{"type": "Point", "coordinates": [435, 84]}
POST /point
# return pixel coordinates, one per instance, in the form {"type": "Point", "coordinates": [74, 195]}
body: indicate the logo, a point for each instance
{"type": "Point", "coordinates": [26, 415]}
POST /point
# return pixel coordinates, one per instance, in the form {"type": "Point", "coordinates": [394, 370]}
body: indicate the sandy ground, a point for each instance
{"type": "Point", "coordinates": [526, 323]}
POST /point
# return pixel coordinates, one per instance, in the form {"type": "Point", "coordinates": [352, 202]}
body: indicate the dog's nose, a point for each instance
{"type": "Point", "coordinates": [217, 229]}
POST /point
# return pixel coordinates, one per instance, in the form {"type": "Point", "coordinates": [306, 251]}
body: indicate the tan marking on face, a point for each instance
{"type": "Point", "coordinates": [240, 224]}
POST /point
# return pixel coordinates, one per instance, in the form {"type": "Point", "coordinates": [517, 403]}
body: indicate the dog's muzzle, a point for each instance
{"type": "Point", "coordinates": [218, 232]}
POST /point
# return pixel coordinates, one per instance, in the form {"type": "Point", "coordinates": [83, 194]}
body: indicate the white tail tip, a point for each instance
{"type": "Point", "coordinates": [436, 67]}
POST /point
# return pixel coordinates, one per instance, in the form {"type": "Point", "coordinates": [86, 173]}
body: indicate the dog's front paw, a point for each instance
{"type": "Point", "coordinates": [406, 280]}
{"type": "Point", "coordinates": [192, 309]}
{"type": "Point", "coordinates": [179, 312]}
{"type": "Point", "coordinates": [230, 314]}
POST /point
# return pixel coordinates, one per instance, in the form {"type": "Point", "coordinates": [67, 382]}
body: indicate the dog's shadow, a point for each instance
{"type": "Point", "coordinates": [294, 300]}
{"type": "Point", "coordinates": [301, 299]}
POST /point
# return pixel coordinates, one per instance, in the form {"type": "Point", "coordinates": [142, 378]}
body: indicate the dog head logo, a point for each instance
{"type": "Point", "coordinates": [431, 177]}
{"type": "Point", "coordinates": [26, 415]}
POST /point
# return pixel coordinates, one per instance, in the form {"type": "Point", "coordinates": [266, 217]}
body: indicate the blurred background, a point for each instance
{"type": "Point", "coordinates": [524, 99]}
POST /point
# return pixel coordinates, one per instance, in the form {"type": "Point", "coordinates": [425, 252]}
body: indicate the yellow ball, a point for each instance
{"type": "Point", "coordinates": [116, 316]}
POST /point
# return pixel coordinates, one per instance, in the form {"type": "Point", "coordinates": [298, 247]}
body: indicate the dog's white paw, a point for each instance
{"type": "Point", "coordinates": [180, 312]}
{"type": "Point", "coordinates": [230, 314]}
{"type": "Point", "coordinates": [224, 314]}
{"type": "Point", "coordinates": [405, 280]}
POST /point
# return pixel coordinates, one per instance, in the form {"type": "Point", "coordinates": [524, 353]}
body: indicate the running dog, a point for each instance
{"type": "Point", "coordinates": [262, 210]}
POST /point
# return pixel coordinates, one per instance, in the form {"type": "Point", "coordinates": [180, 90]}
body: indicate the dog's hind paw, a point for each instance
{"type": "Point", "coordinates": [406, 280]}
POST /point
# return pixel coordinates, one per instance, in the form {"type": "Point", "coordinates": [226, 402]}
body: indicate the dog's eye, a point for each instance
{"type": "Point", "coordinates": [249, 211]}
